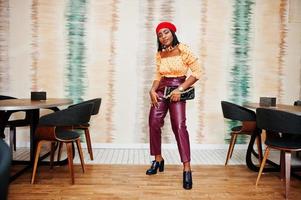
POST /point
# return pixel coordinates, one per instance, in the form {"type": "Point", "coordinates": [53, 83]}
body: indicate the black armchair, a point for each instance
{"type": "Point", "coordinates": [59, 127]}
{"type": "Point", "coordinates": [247, 118]}
{"type": "Point", "coordinates": [5, 162]}
{"type": "Point", "coordinates": [283, 132]}
{"type": "Point", "coordinates": [85, 126]}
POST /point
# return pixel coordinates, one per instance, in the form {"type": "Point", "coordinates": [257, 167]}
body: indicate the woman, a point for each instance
{"type": "Point", "coordinates": [173, 60]}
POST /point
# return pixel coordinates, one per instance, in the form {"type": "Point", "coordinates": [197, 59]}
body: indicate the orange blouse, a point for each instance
{"type": "Point", "coordinates": [178, 65]}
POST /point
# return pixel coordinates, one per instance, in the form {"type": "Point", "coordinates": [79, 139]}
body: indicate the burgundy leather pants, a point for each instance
{"type": "Point", "coordinates": [177, 112]}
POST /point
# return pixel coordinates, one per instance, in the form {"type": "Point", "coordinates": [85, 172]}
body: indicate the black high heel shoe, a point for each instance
{"type": "Point", "coordinates": [155, 166]}
{"type": "Point", "coordinates": [187, 180]}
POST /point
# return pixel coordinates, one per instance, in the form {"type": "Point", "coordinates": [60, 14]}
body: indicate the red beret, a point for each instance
{"type": "Point", "coordinates": [168, 25]}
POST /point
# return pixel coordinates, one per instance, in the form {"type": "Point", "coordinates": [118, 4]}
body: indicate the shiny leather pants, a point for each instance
{"type": "Point", "coordinates": [177, 112]}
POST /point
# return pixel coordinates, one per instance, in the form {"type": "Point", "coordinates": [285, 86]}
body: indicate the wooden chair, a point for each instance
{"type": "Point", "coordinates": [283, 132]}
{"type": "Point", "coordinates": [58, 127]}
{"type": "Point", "coordinates": [85, 126]}
{"type": "Point", "coordinates": [247, 117]}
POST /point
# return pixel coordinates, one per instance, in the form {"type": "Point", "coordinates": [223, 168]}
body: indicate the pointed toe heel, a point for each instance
{"type": "Point", "coordinates": [187, 180]}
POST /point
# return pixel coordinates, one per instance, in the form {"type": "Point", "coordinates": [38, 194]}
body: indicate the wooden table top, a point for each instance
{"type": "Point", "coordinates": [28, 104]}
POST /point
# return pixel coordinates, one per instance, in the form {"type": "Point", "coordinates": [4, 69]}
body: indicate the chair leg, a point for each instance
{"type": "Point", "coordinates": [287, 172]}
{"type": "Point", "coordinates": [36, 159]}
{"type": "Point", "coordinates": [88, 141]}
{"type": "Point", "coordinates": [259, 148]}
{"type": "Point", "coordinates": [15, 139]}
{"type": "Point", "coordinates": [12, 138]}
{"type": "Point", "coordinates": [59, 151]}
{"type": "Point", "coordinates": [52, 151]}
{"type": "Point", "coordinates": [70, 160]}
{"type": "Point", "coordinates": [266, 154]}
{"type": "Point", "coordinates": [231, 145]}
{"type": "Point", "coordinates": [235, 137]}
{"type": "Point", "coordinates": [81, 156]}
{"type": "Point", "coordinates": [282, 165]}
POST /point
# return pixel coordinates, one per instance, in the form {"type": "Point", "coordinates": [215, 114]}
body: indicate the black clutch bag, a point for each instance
{"type": "Point", "coordinates": [187, 94]}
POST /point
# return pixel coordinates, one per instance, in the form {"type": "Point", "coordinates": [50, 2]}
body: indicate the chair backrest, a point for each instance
{"type": "Point", "coordinates": [278, 121]}
{"type": "Point", "coordinates": [5, 162]}
{"type": "Point", "coordinates": [96, 105]}
{"type": "Point", "coordinates": [3, 97]}
{"type": "Point", "coordinates": [297, 103]}
{"type": "Point", "coordinates": [75, 115]}
{"type": "Point", "coordinates": [235, 112]}
{"type": "Point", "coordinates": [5, 115]}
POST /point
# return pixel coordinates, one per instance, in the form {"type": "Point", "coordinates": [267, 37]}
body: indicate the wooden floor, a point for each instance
{"type": "Point", "coordinates": [130, 182]}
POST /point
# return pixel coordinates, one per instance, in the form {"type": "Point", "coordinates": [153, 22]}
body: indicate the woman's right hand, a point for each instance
{"type": "Point", "coordinates": [154, 98]}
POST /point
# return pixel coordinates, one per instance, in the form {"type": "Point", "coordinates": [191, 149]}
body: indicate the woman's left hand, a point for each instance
{"type": "Point", "coordinates": [175, 95]}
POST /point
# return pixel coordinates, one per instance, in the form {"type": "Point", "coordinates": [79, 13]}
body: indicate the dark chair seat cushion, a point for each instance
{"type": "Point", "coordinates": [291, 141]}
{"type": "Point", "coordinates": [67, 135]}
